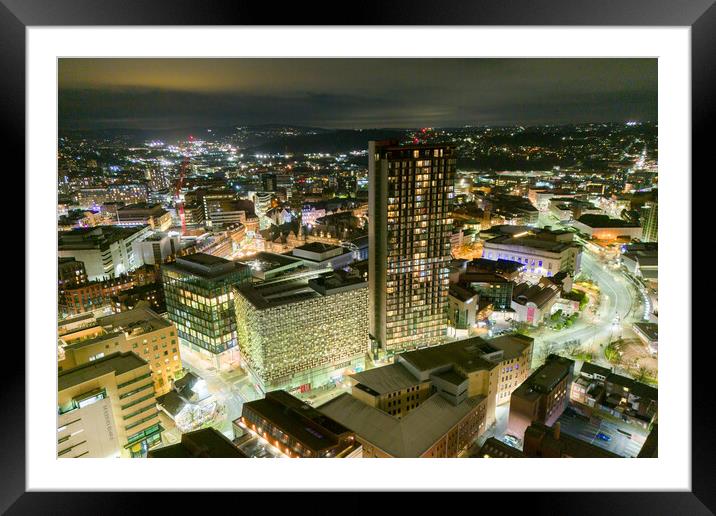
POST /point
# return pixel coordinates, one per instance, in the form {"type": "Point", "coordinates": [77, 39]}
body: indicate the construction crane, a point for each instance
{"type": "Point", "coordinates": [177, 191]}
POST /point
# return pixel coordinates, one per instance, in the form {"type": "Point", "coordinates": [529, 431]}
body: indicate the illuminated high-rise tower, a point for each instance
{"type": "Point", "coordinates": [410, 223]}
{"type": "Point", "coordinates": [650, 222]}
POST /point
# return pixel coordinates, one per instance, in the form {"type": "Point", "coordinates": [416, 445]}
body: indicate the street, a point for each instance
{"type": "Point", "coordinates": [621, 304]}
{"type": "Point", "coordinates": [620, 443]}
{"type": "Point", "coordinates": [230, 388]}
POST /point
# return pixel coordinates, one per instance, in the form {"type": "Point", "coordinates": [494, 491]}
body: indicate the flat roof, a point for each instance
{"type": "Point", "coordinates": [451, 376]}
{"type": "Point", "coordinates": [531, 243]}
{"type": "Point", "coordinates": [266, 261]}
{"type": "Point", "coordinates": [283, 291]}
{"type": "Point", "coordinates": [311, 427]}
{"type": "Point", "coordinates": [385, 379]}
{"type": "Point", "coordinates": [205, 266]}
{"type": "Point", "coordinates": [410, 436]}
{"type": "Point", "coordinates": [605, 221]}
{"type": "Point", "coordinates": [512, 345]}
{"type": "Point", "coordinates": [117, 363]}
{"type": "Point", "coordinates": [202, 443]}
{"type": "Point", "coordinates": [546, 377]}
{"type": "Point", "coordinates": [496, 449]}
{"type": "Point", "coordinates": [590, 368]}
{"type": "Point", "coordinates": [461, 293]}
{"type": "Point", "coordinates": [467, 354]}
{"type": "Point", "coordinates": [317, 247]}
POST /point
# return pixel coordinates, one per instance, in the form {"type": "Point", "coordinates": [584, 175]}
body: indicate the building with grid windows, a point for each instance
{"type": "Point", "coordinates": [107, 408]}
{"type": "Point", "coordinates": [200, 301]}
{"type": "Point", "coordinates": [140, 331]}
{"type": "Point", "coordinates": [410, 225]}
{"type": "Point", "coordinates": [302, 331]}
{"type": "Point", "coordinates": [106, 251]}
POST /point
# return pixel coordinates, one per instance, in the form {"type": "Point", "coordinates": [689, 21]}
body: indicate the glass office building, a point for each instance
{"type": "Point", "coordinates": [200, 300]}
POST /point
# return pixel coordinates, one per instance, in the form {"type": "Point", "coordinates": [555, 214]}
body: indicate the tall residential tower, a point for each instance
{"type": "Point", "coordinates": [410, 192]}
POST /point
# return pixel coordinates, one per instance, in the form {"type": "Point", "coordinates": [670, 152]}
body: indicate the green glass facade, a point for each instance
{"type": "Point", "coordinates": [497, 293]}
{"type": "Point", "coordinates": [203, 308]}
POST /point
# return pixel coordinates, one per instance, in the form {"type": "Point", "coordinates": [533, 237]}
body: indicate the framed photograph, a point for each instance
{"type": "Point", "coordinates": [427, 234]}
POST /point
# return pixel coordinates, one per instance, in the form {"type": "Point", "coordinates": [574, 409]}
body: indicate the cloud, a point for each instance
{"type": "Point", "coordinates": [354, 92]}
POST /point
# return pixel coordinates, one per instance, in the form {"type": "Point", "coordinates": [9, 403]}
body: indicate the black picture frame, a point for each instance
{"type": "Point", "coordinates": [700, 15]}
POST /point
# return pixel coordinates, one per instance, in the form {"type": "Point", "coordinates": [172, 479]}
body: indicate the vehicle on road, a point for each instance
{"type": "Point", "coordinates": [603, 437]}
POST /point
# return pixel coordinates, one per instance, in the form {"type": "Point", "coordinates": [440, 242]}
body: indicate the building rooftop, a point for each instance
{"type": "Point", "coordinates": [496, 449]}
{"type": "Point", "coordinates": [203, 443]}
{"type": "Point", "coordinates": [312, 428]}
{"type": "Point", "coordinates": [545, 378]}
{"type": "Point", "coordinates": [461, 293]}
{"type": "Point", "coordinates": [410, 436]}
{"type": "Point", "coordinates": [468, 355]}
{"type": "Point", "coordinates": [264, 261]}
{"type": "Point", "coordinates": [206, 266]}
{"type": "Point", "coordinates": [133, 322]}
{"type": "Point", "coordinates": [386, 379]}
{"type": "Point", "coordinates": [539, 294]}
{"type": "Point", "coordinates": [483, 277]}
{"type": "Point", "coordinates": [450, 376]}
{"type": "Point", "coordinates": [512, 345]}
{"type": "Point", "coordinates": [499, 265]}
{"type": "Point", "coordinates": [143, 319]}
{"type": "Point", "coordinates": [283, 291]}
{"type": "Point", "coordinates": [95, 237]}
{"type": "Point", "coordinates": [318, 247]}
{"type": "Point", "coordinates": [142, 208]}
{"type": "Point", "coordinates": [117, 363]}
{"type": "Point", "coordinates": [605, 221]}
{"type": "Point", "coordinates": [592, 369]}
{"type": "Point", "coordinates": [636, 388]}
{"type": "Point", "coordinates": [528, 242]}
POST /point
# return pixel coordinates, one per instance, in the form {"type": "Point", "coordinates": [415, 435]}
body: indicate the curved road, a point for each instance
{"type": "Point", "coordinates": [618, 299]}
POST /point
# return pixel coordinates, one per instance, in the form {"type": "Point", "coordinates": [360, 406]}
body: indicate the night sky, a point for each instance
{"type": "Point", "coordinates": [352, 93]}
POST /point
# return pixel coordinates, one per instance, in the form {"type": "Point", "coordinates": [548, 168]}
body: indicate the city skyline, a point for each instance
{"type": "Point", "coordinates": [269, 288]}
{"type": "Point", "coordinates": [356, 93]}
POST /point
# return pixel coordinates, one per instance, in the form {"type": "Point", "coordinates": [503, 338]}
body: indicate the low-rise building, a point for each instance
{"type": "Point", "coordinates": [205, 443]}
{"type": "Point", "coordinates": [140, 331]}
{"type": "Point", "coordinates": [515, 363]}
{"type": "Point", "coordinates": [437, 428]}
{"type": "Point", "coordinates": [598, 389]}
{"type": "Point", "coordinates": [462, 308]}
{"type": "Point", "coordinates": [531, 303]}
{"type": "Point", "coordinates": [543, 253]}
{"type": "Point", "coordinates": [432, 402]}
{"type": "Point", "coordinates": [157, 248]}
{"type": "Point", "coordinates": [106, 251]}
{"type": "Point", "coordinates": [296, 429]}
{"type": "Point", "coordinates": [492, 288]}
{"type": "Point", "coordinates": [542, 397]}
{"type": "Point", "coordinates": [265, 266]}
{"type": "Point", "coordinates": [603, 227]}
{"type": "Point", "coordinates": [317, 255]}
{"type": "Point", "coordinates": [140, 214]}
